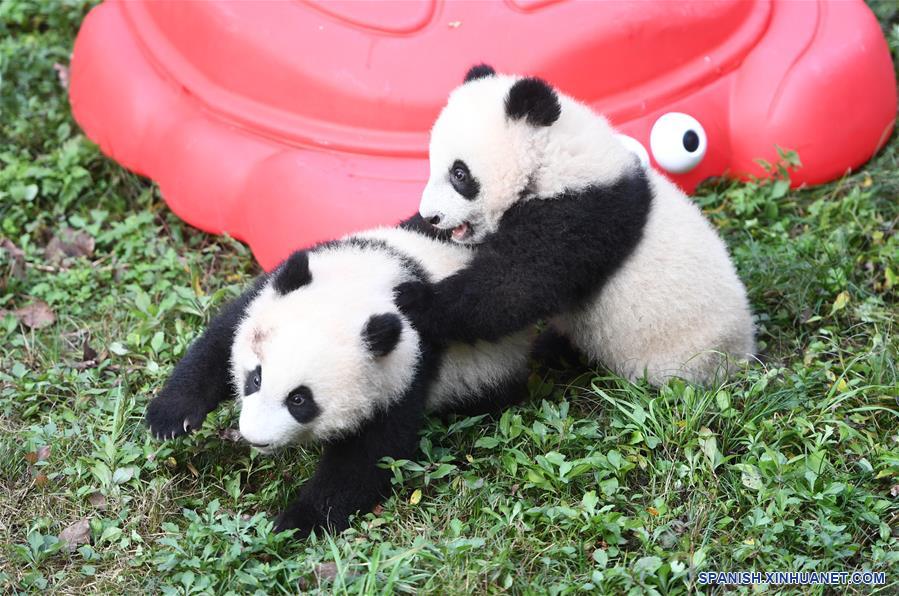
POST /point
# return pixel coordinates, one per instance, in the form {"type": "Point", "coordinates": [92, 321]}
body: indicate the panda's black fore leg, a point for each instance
{"type": "Point", "coordinates": [348, 479]}
{"type": "Point", "coordinates": [202, 379]}
{"type": "Point", "coordinates": [413, 299]}
{"type": "Point", "coordinates": [303, 518]}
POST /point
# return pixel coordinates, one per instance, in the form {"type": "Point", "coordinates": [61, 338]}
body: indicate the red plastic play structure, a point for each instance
{"type": "Point", "coordinates": [286, 123]}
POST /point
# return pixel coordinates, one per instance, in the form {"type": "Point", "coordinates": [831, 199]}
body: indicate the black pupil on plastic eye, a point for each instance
{"type": "Point", "coordinates": [460, 174]}
{"type": "Point", "coordinates": [256, 381]}
{"type": "Point", "coordinates": [297, 398]}
{"type": "Point", "coordinates": [691, 141]}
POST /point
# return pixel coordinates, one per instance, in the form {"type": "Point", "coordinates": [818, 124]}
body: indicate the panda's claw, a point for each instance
{"type": "Point", "coordinates": [171, 416]}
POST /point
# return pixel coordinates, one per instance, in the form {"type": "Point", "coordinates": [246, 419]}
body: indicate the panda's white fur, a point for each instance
{"type": "Point", "coordinates": [313, 336]}
{"type": "Point", "coordinates": [675, 307]}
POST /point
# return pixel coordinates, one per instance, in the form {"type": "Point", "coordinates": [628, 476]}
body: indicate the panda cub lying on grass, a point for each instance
{"type": "Point", "coordinates": [568, 226]}
{"type": "Point", "coordinates": [319, 351]}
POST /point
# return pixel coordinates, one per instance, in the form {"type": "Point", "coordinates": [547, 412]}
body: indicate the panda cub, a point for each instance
{"type": "Point", "coordinates": [318, 351]}
{"type": "Point", "coordinates": [570, 227]}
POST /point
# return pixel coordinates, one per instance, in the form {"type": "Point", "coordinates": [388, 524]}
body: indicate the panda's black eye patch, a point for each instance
{"type": "Point", "coordinates": [301, 404]}
{"type": "Point", "coordinates": [253, 381]}
{"type": "Point", "coordinates": [462, 180]}
{"type": "Point", "coordinates": [298, 396]}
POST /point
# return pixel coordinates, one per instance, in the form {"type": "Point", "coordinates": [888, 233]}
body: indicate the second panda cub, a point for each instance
{"type": "Point", "coordinates": [569, 227]}
{"type": "Point", "coordinates": [319, 352]}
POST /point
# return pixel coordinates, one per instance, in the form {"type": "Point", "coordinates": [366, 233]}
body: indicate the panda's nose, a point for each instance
{"type": "Point", "coordinates": [434, 220]}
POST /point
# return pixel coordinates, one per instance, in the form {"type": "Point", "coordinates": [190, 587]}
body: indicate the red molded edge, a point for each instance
{"type": "Point", "coordinates": [819, 80]}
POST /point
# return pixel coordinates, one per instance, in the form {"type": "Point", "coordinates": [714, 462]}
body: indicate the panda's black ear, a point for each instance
{"type": "Point", "coordinates": [534, 99]}
{"type": "Point", "coordinates": [479, 71]}
{"type": "Point", "coordinates": [382, 332]}
{"type": "Point", "coordinates": [293, 273]}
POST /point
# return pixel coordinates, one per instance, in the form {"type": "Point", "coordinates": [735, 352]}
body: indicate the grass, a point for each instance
{"type": "Point", "coordinates": [596, 484]}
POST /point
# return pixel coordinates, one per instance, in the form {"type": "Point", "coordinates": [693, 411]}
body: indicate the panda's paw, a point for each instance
{"type": "Point", "coordinates": [168, 417]}
{"type": "Point", "coordinates": [297, 519]}
{"type": "Point", "coordinates": [414, 299]}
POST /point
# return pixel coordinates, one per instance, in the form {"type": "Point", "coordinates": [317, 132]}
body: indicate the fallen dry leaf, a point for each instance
{"type": "Point", "coordinates": [77, 533]}
{"type": "Point", "coordinates": [230, 434]}
{"type": "Point", "coordinates": [41, 480]}
{"type": "Point", "coordinates": [322, 572]}
{"type": "Point", "coordinates": [97, 500]}
{"type": "Point", "coordinates": [325, 571]}
{"type": "Point", "coordinates": [36, 315]}
{"type": "Point", "coordinates": [42, 453]}
{"type": "Point", "coordinates": [88, 354]}
{"type": "Point", "coordinates": [62, 73]}
{"type": "Point", "coordinates": [69, 243]}
{"type": "Point", "coordinates": [415, 499]}
{"type": "Point", "coordinates": [378, 509]}
{"type": "Point", "coordinates": [16, 258]}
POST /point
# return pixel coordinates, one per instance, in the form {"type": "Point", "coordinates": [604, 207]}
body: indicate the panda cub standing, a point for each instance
{"type": "Point", "coordinates": [570, 227]}
{"type": "Point", "coordinates": [318, 351]}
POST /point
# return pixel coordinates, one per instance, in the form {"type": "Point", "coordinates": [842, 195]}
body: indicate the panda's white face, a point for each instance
{"type": "Point", "coordinates": [318, 361]}
{"type": "Point", "coordinates": [479, 159]}
{"type": "Point", "coordinates": [501, 139]}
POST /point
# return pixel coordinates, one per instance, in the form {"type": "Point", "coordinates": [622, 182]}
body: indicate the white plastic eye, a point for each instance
{"type": "Point", "coordinates": [678, 142]}
{"type": "Point", "coordinates": [635, 147]}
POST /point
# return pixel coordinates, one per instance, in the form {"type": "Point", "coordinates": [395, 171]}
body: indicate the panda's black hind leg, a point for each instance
{"type": "Point", "coordinates": [494, 400]}
{"type": "Point", "coordinates": [553, 350]}
{"type": "Point", "coordinates": [202, 379]}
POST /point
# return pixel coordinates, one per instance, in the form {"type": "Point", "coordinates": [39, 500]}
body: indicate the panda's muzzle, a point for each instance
{"type": "Point", "coordinates": [462, 231]}
{"type": "Point", "coordinates": [459, 233]}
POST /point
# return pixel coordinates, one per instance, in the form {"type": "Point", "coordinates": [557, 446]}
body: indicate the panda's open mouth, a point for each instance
{"type": "Point", "coordinates": [462, 231]}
